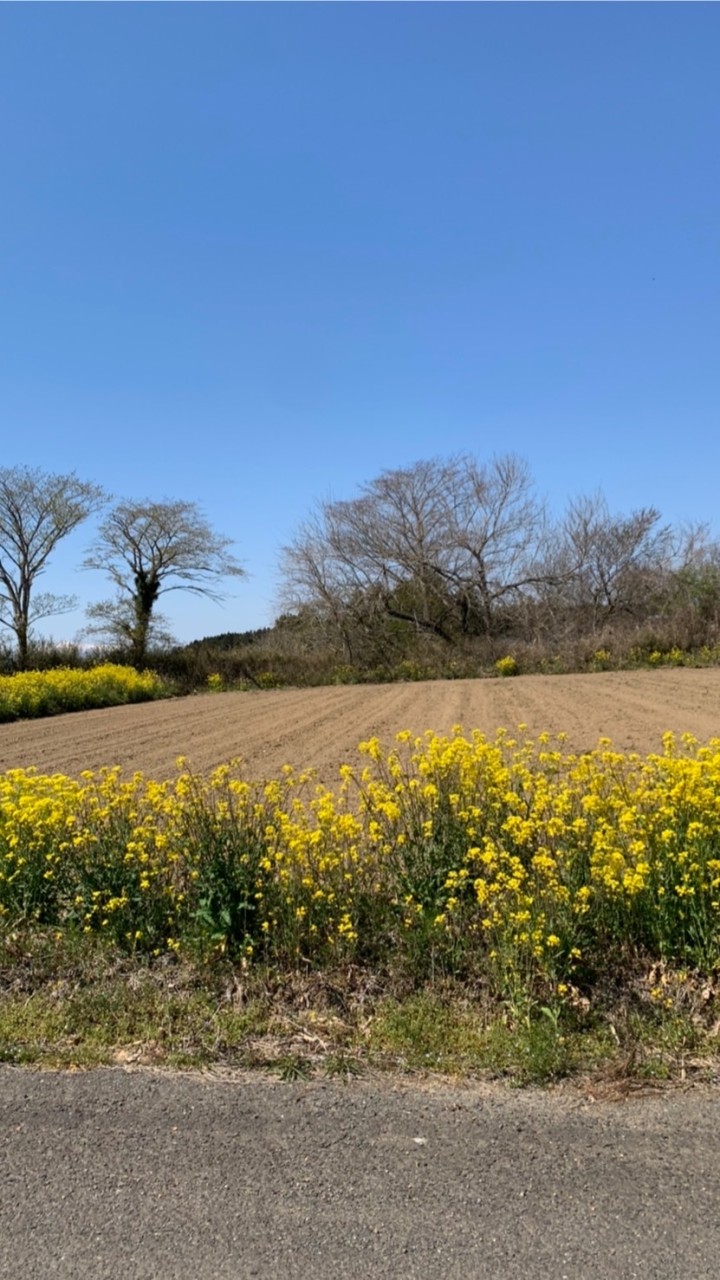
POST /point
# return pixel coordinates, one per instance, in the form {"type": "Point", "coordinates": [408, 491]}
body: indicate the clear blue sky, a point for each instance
{"type": "Point", "coordinates": [252, 255]}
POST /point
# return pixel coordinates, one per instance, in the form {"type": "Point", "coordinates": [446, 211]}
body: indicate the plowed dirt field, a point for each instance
{"type": "Point", "coordinates": [321, 727]}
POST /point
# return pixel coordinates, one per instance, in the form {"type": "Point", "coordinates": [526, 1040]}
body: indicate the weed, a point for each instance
{"type": "Point", "coordinates": [293, 1067]}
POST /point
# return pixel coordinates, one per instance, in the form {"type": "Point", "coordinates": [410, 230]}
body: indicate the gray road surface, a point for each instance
{"type": "Point", "coordinates": [140, 1176]}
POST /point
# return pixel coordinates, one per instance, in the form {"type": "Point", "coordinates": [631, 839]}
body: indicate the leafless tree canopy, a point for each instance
{"type": "Point", "coordinates": [37, 510]}
{"type": "Point", "coordinates": [147, 549]}
{"type": "Point", "coordinates": [439, 545]}
{"type": "Point", "coordinates": [455, 548]}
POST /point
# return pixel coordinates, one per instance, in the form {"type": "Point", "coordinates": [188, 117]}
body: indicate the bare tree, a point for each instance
{"type": "Point", "coordinates": [373, 555]}
{"type": "Point", "coordinates": [37, 510]}
{"type": "Point", "coordinates": [148, 549]}
{"type": "Point", "coordinates": [437, 545]}
{"type": "Point", "coordinates": [694, 589]}
{"type": "Point", "coordinates": [614, 564]}
{"type": "Point", "coordinates": [313, 583]}
{"type": "Point", "coordinates": [498, 528]}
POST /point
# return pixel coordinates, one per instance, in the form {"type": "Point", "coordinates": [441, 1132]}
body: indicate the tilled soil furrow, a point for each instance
{"type": "Point", "coordinates": [320, 728]}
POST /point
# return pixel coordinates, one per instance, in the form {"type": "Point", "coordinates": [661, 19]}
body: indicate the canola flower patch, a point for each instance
{"type": "Point", "coordinates": [30, 694]}
{"type": "Point", "coordinates": [509, 861]}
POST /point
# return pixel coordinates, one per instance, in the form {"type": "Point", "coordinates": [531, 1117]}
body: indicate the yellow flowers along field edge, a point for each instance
{"type": "Point", "coordinates": [511, 863]}
{"type": "Point", "coordinates": [29, 694]}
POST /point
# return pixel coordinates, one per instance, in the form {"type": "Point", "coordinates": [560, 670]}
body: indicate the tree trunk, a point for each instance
{"type": "Point", "coordinates": [147, 590]}
{"type": "Point", "coordinates": [21, 634]}
{"type": "Point", "coordinates": [138, 650]}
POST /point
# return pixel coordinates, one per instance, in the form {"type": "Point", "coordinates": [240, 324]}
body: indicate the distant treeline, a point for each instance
{"type": "Point", "coordinates": [229, 640]}
{"type": "Point", "coordinates": [447, 567]}
{"type": "Point", "coordinates": [444, 568]}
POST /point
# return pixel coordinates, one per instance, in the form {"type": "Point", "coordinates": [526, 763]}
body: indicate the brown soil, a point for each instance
{"type": "Point", "coordinates": [321, 727]}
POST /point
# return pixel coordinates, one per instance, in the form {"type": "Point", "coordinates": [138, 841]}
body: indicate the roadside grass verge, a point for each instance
{"type": "Point", "coordinates": [79, 1003]}
{"type": "Point", "coordinates": [456, 905]}
{"type": "Point", "coordinates": [32, 694]}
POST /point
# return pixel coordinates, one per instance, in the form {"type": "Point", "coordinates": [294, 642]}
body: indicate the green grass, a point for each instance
{"type": "Point", "coordinates": [75, 1003]}
{"type": "Point", "coordinates": [428, 1033]}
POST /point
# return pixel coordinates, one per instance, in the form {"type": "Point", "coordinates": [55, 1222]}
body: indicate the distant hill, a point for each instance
{"type": "Point", "coordinates": [230, 639]}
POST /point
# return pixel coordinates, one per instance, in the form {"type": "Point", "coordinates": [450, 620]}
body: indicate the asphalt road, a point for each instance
{"type": "Point", "coordinates": [141, 1176]}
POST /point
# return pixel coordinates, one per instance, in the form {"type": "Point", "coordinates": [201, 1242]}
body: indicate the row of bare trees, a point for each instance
{"type": "Point", "coordinates": [452, 549]}
{"type": "Point", "coordinates": [145, 548]}
{"type": "Point", "coordinates": [455, 548]}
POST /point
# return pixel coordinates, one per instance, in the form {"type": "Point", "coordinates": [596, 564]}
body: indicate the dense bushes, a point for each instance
{"type": "Point", "coordinates": [271, 662]}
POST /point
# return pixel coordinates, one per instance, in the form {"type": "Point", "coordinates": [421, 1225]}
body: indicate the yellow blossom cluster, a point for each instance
{"type": "Point", "coordinates": [510, 859]}
{"type": "Point", "coordinates": [41, 693]}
